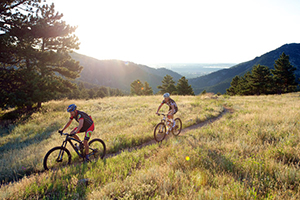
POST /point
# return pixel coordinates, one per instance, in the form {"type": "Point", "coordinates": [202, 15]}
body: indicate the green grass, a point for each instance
{"type": "Point", "coordinates": [122, 122]}
{"type": "Point", "coordinates": [252, 153]}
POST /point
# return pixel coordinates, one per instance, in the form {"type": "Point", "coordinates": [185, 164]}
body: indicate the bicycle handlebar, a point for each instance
{"type": "Point", "coordinates": [67, 134]}
{"type": "Point", "coordinates": [161, 114]}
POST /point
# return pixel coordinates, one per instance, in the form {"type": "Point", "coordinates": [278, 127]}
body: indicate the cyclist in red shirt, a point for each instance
{"type": "Point", "coordinates": [86, 124]}
{"type": "Point", "coordinates": [172, 108]}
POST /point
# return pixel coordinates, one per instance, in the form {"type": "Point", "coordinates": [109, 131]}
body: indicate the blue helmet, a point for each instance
{"type": "Point", "coordinates": [71, 107]}
{"type": "Point", "coordinates": [166, 95]}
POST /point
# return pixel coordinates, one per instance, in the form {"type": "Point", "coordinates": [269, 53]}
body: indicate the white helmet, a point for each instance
{"type": "Point", "coordinates": [166, 95]}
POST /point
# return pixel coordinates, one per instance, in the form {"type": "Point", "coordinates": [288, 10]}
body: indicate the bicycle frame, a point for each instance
{"type": "Point", "coordinates": [167, 126]}
{"type": "Point", "coordinates": [64, 144]}
{"type": "Point", "coordinates": [164, 119]}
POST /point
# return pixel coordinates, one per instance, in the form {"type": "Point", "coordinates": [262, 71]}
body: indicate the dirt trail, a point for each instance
{"type": "Point", "coordinates": [183, 131]}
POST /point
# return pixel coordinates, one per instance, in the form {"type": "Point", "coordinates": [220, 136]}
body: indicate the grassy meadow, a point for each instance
{"type": "Point", "coordinates": [250, 153]}
{"type": "Point", "coordinates": [121, 122]}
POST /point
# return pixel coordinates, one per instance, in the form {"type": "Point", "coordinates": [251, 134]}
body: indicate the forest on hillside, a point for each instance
{"type": "Point", "coordinates": [262, 80]}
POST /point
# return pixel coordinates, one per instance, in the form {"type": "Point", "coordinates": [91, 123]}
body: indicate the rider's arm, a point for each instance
{"type": "Point", "coordinates": [173, 108]}
{"type": "Point", "coordinates": [80, 125]}
{"type": "Point", "coordinates": [159, 108]}
{"type": "Point", "coordinates": [67, 125]}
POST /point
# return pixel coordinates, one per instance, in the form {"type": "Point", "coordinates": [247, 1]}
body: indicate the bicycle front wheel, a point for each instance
{"type": "Point", "coordinates": [97, 149]}
{"type": "Point", "coordinates": [56, 158]}
{"type": "Point", "coordinates": [160, 132]}
{"type": "Point", "coordinates": [178, 127]}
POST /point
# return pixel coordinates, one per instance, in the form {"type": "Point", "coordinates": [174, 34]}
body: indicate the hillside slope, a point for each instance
{"type": "Point", "coordinates": [219, 81]}
{"type": "Point", "coordinates": [120, 74]}
{"type": "Point", "coordinates": [252, 153]}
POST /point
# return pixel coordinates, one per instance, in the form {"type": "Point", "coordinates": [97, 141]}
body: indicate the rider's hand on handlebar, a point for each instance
{"type": "Point", "coordinates": [157, 113]}
{"type": "Point", "coordinates": [72, 133]}
{"type": "Point", "coordinates": [61, 132]}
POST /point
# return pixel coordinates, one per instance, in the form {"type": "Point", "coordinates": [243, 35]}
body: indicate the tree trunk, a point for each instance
{"type": "Point", "coordinates": [29, 107]}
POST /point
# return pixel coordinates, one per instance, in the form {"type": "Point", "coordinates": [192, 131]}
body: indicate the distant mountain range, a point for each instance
{"type": "Point", "coordinates": [220, 80]}
{"type": "Point", "coordinates": [193, 70]}
{"type": "Point", "coordinates": [120, 74]}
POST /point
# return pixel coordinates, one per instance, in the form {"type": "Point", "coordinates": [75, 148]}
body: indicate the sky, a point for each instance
{"type": "Point", "coordinates": [181, 31]}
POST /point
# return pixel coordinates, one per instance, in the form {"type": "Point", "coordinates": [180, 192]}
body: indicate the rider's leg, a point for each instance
{"type": "Point", "coordinates": [174, 122]}
{"type": "Point", "coordinates": [86, 146]}
{"type": "Point", "coordinates": [85, 142]}
{"type": "Point", "coordinates": [170, 117]}
{"type": "Point", "coordinates": [88, 134]}
{"type": "Point", "coordinates": [75, 136]}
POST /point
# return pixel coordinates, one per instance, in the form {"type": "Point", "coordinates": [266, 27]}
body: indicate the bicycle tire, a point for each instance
{"type": "Point", "coordinates": [160, 132]}
{"type": "Point", "coordinates": [178, 123]}
{"type": "Point", "coordinates": [99, 148]}
{"type": "Point", "coordinates": [50, 161]}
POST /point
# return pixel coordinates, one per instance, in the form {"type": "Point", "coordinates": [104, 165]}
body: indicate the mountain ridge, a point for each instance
{"type": "Point", "coordinates": [120, 74]}
{"type": "Point", "coordinates": [220, 80]}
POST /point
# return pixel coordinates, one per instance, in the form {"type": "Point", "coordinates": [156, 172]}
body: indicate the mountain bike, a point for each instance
{"type": "Point", "coordinates": [61, 156]}
{"type": "Point", "coordinates": [160, 130]}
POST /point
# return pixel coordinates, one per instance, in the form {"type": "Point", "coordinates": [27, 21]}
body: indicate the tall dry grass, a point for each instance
{"type": "Point", "coordinates": [121, 122]}
{"type": "Point", "coordinates": [252, 153]}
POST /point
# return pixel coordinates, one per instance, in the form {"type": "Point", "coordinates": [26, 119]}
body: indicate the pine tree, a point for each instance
{"type": "Point", "coordinates": [260, 80]}
{"type": "Point", "coordinates": [283, 75]}
{"type": "Point", "coordinates": [183, 87]}
{"type": "Point", "coordinates": [233, 89]}
{"type": "Point", "coordinates": [147, 89]}
{"type": "Point", "coordinates": [102, 92]}
{"type": "Point", "coordinates": [13, 14]}
{"type": "Point", "coordinates": [41, 42]}
{"type": "Point", "coordinates": [137, 87]}
{"type": "Point", "coordinates": [244, 87]}
{"type": "Point", "coordinates": [168, 85]}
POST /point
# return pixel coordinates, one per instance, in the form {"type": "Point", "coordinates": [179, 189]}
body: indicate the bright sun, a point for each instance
{"type": "Point", "coordinates": [181, 31]}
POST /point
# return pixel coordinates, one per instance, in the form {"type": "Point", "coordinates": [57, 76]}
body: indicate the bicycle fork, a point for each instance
{"type": "Point", "coordinates": [60, 156]}
{"type": "Point", "coordinates": [61, 152]}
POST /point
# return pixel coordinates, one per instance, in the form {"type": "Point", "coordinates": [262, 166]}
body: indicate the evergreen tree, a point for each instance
{"type": "Point", "coordinates": [14, 14]}
{"type": "Point", "coordinates": [137, 87]}
{"type": "Point", "coordinates": [240, 85]}
{"type": "Point", "coordinates": [147, 89]}
{"type": "Point", "coordinates": [115, 92]}
{"type": "Point", "coordinates": [244, 87]}
{"type": "Point", "coordinates": [283, 75]}
{"type": "Point", "coordinates": [92, 93]}
{"type": "Point", "coordinates": [260, 80]}
{"type": "Point", "coordinates": [102, 92]}
{"type": "Point", "coordinates": [168, 85]}
{"type": "Point", "coordinates": [41, 43]}
{"type": "Point", "coordinates": [233, 89]}
{"type": "Point", "coordinates": [183, 87]}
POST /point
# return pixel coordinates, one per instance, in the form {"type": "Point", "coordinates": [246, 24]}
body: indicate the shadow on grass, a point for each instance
{"type": "Point", "coordinates": [258, 180]}
{"type": "Point", "coordinates": [9, 120]}
{"type": "Point", "coordinates": [19, 143]}
{"type": "Point", "coordinates": [68, 185]}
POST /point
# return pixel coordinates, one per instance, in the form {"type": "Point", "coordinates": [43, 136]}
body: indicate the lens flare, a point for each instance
{"type": "Point", "coordinates": [126, 63]}
{"type": "Point", "coordinates": [187, 158]}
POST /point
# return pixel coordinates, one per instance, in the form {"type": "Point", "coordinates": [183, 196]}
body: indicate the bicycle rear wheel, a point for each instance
{"type": "Point", "coordinates": [56, 158]}
{"type": "Point", "coordinates": [97, 149]}
{"type": "Point", "coordinates": [160, 132]}
{"type": "Point", "coordinates": [178, 127]}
